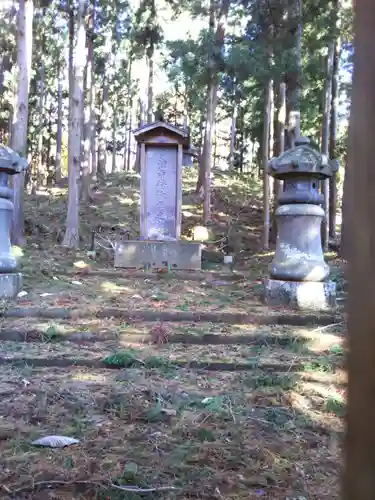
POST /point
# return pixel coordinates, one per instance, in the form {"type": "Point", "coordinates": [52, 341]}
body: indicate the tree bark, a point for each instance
{"type": "Point", "coordinates": [233, 130]}
{"type": "Point", "coordinates": [20, 113]}
{"type": "Point", "coordinates": [102, 144]}
{"type": "Point", "coordinates": [114, 128]}
{"type": "Point", "coordinates": [59, 122]}
{"type": "Point", "coordinates": [128, 116]}
{"type": "Point", "coordinates": [265, 158]}
{"type": "Point", "coordinates": [325, 139]}
{"type": "Point", "coordinates": [358, 474]}
{"type": "Point", "coordinates": [89, 113]}
{"type": "Point", "coordinates": [71, 237]}
{"type": "Point", "coordinates": [279, 148]}
{"type": "Point", "coordinates": [103, 134]}
{"type": "Point", "coordinates": [128, 153]}
{"type": "Point", "coordinates": [39, 160]}
{"type": "Point", "coordinates": [294, 76]}
{"type": "Point", "coordinates": [71, 53]}
{"type": "Point", "coordinates": [150, 85]}
{"type": "Point", "coordinates": [332, 141]}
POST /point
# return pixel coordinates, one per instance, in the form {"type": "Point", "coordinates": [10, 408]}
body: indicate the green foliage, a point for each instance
{"type": "Point", "coordinates": [124, 359]}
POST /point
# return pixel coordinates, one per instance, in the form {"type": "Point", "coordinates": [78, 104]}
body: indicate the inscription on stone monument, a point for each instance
{"type": "Point", "coordinates": [160, 187]}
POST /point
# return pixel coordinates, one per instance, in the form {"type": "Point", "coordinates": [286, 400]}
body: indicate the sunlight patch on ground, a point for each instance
{"type": "Point", "coordinates": [17, 252]}
{"type": "Point", "coordinates": [262, 254]}
{"type": "Point", "coordinates": [110, 286]}
{"type": "Point", "coordinates": [320, 389]}
{"type": "Point", "coordinates": [83, 376]}
{"type": "Point", "coordinates": [81, 264]}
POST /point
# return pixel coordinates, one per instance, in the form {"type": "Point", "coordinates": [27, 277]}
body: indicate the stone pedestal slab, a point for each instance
{"type": "Point", "coordinates": [10, 285]}
{"type": "Point", "coordinates": [158, 254]}
{"type": "Point", "coordinates": [304, 295]}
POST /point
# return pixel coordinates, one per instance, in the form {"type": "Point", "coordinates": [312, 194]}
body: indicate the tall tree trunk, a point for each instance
{"type": "Point", "coordinates": [150, 85]}
{"type": "Point", "coordinates": [47, 161]}
{"type": "Point", "coordinates": [332, 141]}
{"type": "Point", "coordinates": [89, 112]}
{"type": "Point", "coordinates": [129, 150]}
{"type": "Point", "coordinates": [242, 139]}
{"type": "Point", "coordinates": [114, 141]}
{"type": "Point", "coordinates": [265, 158]}
{"type": "Point", "coordinates": [71, 53]}
{"type": "Point", "coordinates": [102, 146]}
{"type": "Point", "coordinates": [39, 156]}
{"type": "Point", "coordinates": [104, 124]}
{"type": "Point", "coordinates": [128, 115]}
{"type": "Point", "coordinates": [271, 143]}
{"type": "Point", "coordinates": [325, 139]}
{"type": "Point", "coordinates": [359, 453]}
{"type": "Point", "coordinates": [233, 130]}
{"type": "Point", "coordinates": [280, 146]}
{"type": "Point", "coordinates": [94, 149]}
{"type": "Point", "coordinates": [21, 111]}
{"type": "Point", "coordinates": [5, 65]}
{"type": "Point", "coordinates": [206, 159]}
{"type": "Point", "coordinates": [71, 237]}
{"type": "Point", "coordinates": [294, 76]}
{"type": "Point", "coordinates": [59, 122]}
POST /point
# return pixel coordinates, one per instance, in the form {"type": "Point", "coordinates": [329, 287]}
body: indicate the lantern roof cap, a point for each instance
{"type": "Point", "coordinates": [10, 161]}
{"type": "Point", "coordinates": [302, 159]}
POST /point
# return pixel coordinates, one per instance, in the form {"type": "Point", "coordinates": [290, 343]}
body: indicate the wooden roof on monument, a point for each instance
{"type": "Point", "coordinates": [167, 127]}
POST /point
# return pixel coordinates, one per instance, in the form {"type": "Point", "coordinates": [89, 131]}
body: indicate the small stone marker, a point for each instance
{"type": "Point", "coordinates": [10, 280]}
{"type": "Point", "coordinates": [162, 147]}
{"type": "Point", "coordinates": [298, 272]}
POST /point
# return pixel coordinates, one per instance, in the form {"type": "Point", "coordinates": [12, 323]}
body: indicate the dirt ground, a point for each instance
{"type": "Point", "coordinates": [164, 410]}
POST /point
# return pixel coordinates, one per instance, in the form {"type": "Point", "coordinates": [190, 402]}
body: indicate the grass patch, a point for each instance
{"type": "Point", "coordinates": [285, 381]}
{"type": "Point", "coordinates": [336, 405]}
{"type": "Point", "coordinates": [123, 359]}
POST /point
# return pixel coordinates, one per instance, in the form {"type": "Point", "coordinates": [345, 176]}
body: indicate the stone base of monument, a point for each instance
{"type": "Point", "coordinates": [10, 285]}
{"type": "Point", "coordinates": [304, 295]}
{"type": "Point", "coordinates": [159, 254]}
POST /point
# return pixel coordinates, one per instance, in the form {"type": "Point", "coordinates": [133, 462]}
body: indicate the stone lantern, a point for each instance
{"type": "Point", "coordinates": [10, 280]}
{"type": "Point", "coordinates": [298, 272]}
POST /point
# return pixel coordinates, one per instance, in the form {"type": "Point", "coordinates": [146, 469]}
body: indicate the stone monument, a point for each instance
{"type": "Point", "coordinates": [298, 272]}
{"type": "Point", "coordinates": [10, 280]}
{"type": "Point", "coordinates": [162, 147]}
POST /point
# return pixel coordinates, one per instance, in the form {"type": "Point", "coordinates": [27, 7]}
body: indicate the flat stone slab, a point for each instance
{"type": "Point", "coordinates": [158, 254]}
{"type": "Point", "coordinates": [303, 295]}
{"type": "Point", "coordinates": [10, 285]}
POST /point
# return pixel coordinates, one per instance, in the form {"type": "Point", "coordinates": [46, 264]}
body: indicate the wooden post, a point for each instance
{"type": "Point", "coordinates": [359, 475]}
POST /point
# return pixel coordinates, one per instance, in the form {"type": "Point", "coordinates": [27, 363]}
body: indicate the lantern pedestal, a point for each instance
{"type": "Point", "coordinates": [158, 254]}
{"type": "Point", "coordinates": [10, 280]}
{"type": "Point", "coordinates": [306, 295]}
{"type": "Point", "coordinates": [298, 273]}
{"type": "Point", "coordinates": [10, 285]}
{"type": "Point", "coordinates": [299, 254]}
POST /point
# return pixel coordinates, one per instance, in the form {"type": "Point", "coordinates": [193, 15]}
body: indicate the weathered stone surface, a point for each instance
{"type": "Point", "coordinates": [10, 285]}
{"type": "Point", "coordinates": [159, 254]}
{"type": "Point", "coordinates": [161, 193]}
{"type": "Point", "coordinates": [312, 296]}
{"type": "Point", "coordinates": [299, 254]}
{"type": "Point", "coordinates": [10, 281]}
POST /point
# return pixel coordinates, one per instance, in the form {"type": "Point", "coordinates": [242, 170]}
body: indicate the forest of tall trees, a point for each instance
{"type": "Point", "coordinates": [77, 76]}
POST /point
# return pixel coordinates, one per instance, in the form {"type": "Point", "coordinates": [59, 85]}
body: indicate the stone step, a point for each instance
{"type": "Point", "coordinates": [117, 354]}
{"type": "Point", "coordinates": [141, 333]}
{"type": "Point", "coordinates": [273, 317]}
{"type": "Point", "coordinates": [156, 275]}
